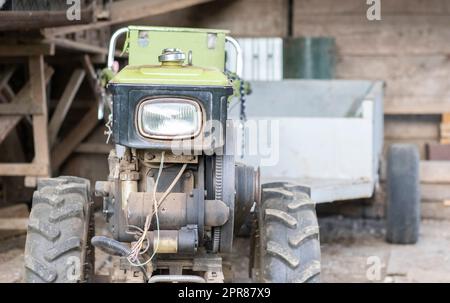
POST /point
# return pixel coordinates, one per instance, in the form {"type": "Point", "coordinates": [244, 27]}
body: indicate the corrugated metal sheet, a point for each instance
{"type": "Point", "coordinates": [263, 58]}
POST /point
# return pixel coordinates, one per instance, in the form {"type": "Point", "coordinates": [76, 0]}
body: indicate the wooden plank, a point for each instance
{"type": "Point", "coordinates": [92, 76]}
{"type": "Point", "coordinates": [22, 97]}
{"type": "Point", "coordinates": [8, 92]}
{"type": "Point", "coordinates": [435, 192]}
{"type": "Point", "coordinates": [64, 104]}
{"type": "Point", "coordinates": [405, 76]}
{"type": "Point", "coordinates": [78, 46]}
{"type": "Point", "coordinates": [358, 7]}
{"type": "Point", "coordinates": [15, 50]}
{"type": "Point", "coordinates": [27, 20]}
{"type": "Point", "coordinates": [20, 109]}
{"type": "Point", "coordinates": [40, 129]}
{"type": "Point", "coordinates": [63, 149]}
{"type": "Point", "coordinates": [7, 124]}
{"type": "Point", "coordinates": [414, 84]}
{"type": "Point", "coordinates": [394, 35]}
{"type": "Point", "coordinates": [19, 210]}
{"type": "Point", "coordinates": [244, 18]}
{"type": "Point", "coordinates": [128, 10]}
{"type": "Point", "coordinates": [411, 127]}
{"type": "Point", "coordinates": [14, 224]}
{"type": "Point", "coordinates": [415, 106]}
{"type": "Point", "coordinates": [435, 172]}
{"type": "Point", "coordinates": [435, 210]}
{"type": "Point", "coordinates": [23, 169]}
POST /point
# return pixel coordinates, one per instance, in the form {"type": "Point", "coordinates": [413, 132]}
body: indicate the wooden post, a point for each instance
{"type": "Point", "coordinates": [40, 124]}
{"type": "Point", "coordinates": [64, 104]}
{"type": "Point", "coordinates": [63, 149]}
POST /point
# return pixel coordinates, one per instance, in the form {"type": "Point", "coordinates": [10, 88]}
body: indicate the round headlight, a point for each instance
{"type": "Point", "coordinates": [169, 118]}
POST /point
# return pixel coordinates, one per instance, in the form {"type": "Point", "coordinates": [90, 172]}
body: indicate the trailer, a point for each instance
{"type": "Point", "coordinates": [327, 136]}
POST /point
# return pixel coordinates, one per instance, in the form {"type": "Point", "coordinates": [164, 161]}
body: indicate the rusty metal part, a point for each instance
{"type": "Point", "coordinates": [178, 209]}
{"type": "Point", "coordinates": [155, 157]}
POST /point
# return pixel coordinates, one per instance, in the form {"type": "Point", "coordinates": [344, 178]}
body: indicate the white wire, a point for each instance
{"type": "Point", "coordinates": [171, 186]}
{"type": "Point", "coordinates": [156, 205]}
{"type": "Point", "coordinates": [147, 223]}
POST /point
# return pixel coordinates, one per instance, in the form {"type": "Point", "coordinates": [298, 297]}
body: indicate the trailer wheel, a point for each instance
{"type": "Point", "coordinates": [403, 194]}
{"type": "Point", "coordinates": [57, 247]}
{"type": "Point", "coordinates": [287, 237]}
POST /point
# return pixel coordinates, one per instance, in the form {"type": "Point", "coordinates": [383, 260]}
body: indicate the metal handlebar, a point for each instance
{"type": "Point", "coordinates": [239, 55]}
{"type": "Point", "coordinates": [112, 45]}
{"type": "Point", "coordinates": [123, 30]}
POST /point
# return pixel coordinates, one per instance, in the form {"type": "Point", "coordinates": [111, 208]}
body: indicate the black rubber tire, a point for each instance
{"type": "Point", "coordinates": [288, 249]}
{"type": "Point", "coordinates": [403, 194]}
{"type": "Point", "coordinates": [57, 247]}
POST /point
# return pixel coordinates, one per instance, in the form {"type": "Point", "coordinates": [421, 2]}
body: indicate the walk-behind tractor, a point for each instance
{"type": "Point", "coordinates": [175, 197]}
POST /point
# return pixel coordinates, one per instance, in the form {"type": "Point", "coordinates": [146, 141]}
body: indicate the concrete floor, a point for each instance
{"type": "Point", "coordinates": [353, 250]}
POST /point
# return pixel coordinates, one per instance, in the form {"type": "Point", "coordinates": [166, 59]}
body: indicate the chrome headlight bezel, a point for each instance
{"type": "Point", "coordinates": [166, 100]}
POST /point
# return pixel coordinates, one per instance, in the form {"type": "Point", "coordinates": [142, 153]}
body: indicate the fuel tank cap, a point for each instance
{"type": "Point", "coordinates": [172, 55]}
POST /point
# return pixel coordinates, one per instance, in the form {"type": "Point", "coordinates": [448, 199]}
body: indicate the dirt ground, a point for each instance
{"type": "Point", "coordinates": [353, 250]}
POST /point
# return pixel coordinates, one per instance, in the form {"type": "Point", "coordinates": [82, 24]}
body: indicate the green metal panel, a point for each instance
{"type": "Point", "coordinates": [146, 43]}
{"type": "Point", "coordinates": [171, 75]}
{"type": "Point", "coordinates": [309, 58]}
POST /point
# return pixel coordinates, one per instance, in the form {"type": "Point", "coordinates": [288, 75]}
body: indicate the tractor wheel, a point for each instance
{"type": "Point", "coordinates": [57, 247]}
{"type": "Point", "coordinates": [403, 194]}
{"type": "Point", "coordinates": [287, 236]}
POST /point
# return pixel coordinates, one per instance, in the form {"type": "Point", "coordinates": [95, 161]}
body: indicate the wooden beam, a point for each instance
{"type": "Point", "coordinates": [20, 109]}
{"type": "Point", "coordinates": [63, 149]}
{"type": "Point", "coordinates": [416, 106]}
{"type": "Point", "coordinates": [8, 92]}
{"type": "Point", "coordinates": [5, 76]}
{"type": "Point", "coordinates": [7, 124]}
{"type": "Point", "coordinates": [78, 46]}
{"type": "Point", "coordinates": [19, 210]}
{"type": "Point", "coordinates": [26, 20]}
{"type": "Point", "coordinates": [40, 129]}
{"type": "Point", "coordinates": [33, 49]}
{"type": "Point", "coordinates": [129, 10]}
{"type": "Point", "coordinates": [91, 76]}
{"type": "Point", "coordinates": [23, 169]}
{"type": "Point", "coordinates": [64, 104]}
{"type": "Point", "coordinates": [14, 224]}
{"type": "Point", "coordinates": [22, 97]}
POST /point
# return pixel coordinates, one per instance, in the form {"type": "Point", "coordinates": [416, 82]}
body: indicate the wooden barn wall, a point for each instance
{"type": "Point", "coordinates": [244, 18]}
{"type": "Point", "coordinates": [409, 49]}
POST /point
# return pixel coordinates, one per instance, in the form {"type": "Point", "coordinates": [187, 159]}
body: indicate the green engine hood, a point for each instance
{"type": "Point", "coordinates": [170, 75]}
